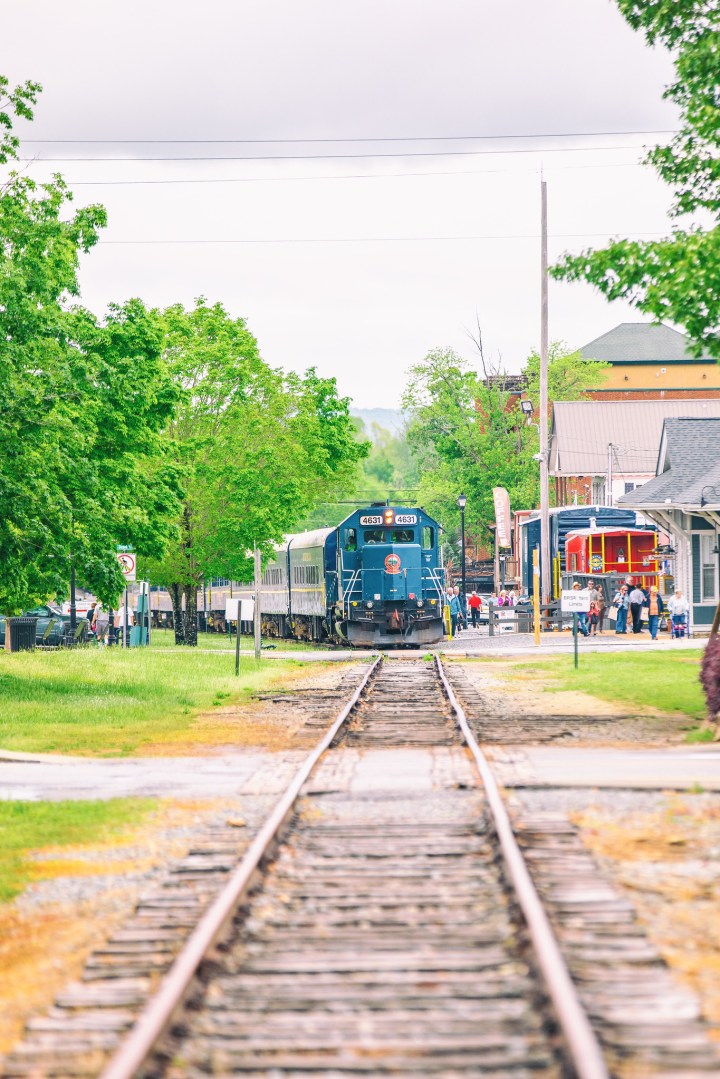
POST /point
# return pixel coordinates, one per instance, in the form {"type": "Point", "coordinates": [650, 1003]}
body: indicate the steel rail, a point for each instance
{"type": "Point", "coordinates": [584, 1049]}
{"type": "Point", "coordinates": [157, 1015]}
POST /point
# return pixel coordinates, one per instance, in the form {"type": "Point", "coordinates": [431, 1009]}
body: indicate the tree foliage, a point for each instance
{"type": "Point", "coordinates": [82, 401]}
{"type": "Point", "coordinates": [677, 278]}
{"type": "Point", "coordinates": [470, 434]}
{"type": "Point", "coordinates": [256, 447]}
{"type": "Point", "coordinates": [388, 472]}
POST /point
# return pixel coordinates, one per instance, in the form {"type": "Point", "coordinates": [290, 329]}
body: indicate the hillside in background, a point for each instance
{"type": "Point", "coordinates": [390, 419]}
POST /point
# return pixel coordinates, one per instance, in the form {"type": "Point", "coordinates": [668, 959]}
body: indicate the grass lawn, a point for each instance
{"type": "Point", "coordinates": [110, 702]}
{"type": "Point", "coordinates": [667, 681]}
{"type": "Point", "coordinates": [165, 638]}
{"type": "Point", "coordinates": [30, 826]}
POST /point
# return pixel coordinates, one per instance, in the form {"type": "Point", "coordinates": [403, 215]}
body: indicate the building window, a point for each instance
{"type": "Point", "coordinates": [708, 570]}
{"type": "Point", "coordinates": [630, 487]}
{"type": "Point", "coordinates": [598, 491]}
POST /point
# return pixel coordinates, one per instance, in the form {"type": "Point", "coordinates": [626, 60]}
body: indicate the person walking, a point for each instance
{"type": "Point", "coordinates": [637, 602]}
{"type": "Point", "coordinates": [582, 616]}
{"type": "Point", "coordinates": [100, 622]}
{"type": "Point", "coordinates": [124, 621]}
{"type": "Point", "coordinates": [475, 604]}
{"type": "Point", "coordinates": [455, 612]}
{"type": "Point", "coordinates": [462, 620]}
{"type": "Point", "coordinates": [655, 610]}
{"type": "Point", "coordinates": [621, 603]}
{"type": "Point", "coordinates": [597, 606]}
{"type": "Point", "coordinates": [679, 610]}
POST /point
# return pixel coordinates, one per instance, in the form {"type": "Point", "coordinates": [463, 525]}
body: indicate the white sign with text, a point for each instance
{"type": "Point", "coordinates": [575, 601]}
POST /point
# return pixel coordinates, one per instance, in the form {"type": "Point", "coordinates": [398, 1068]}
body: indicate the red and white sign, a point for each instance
{"type": "Point", "coordinates": [502, 516]}
{"type": "Point", "coordinates": [128, 565]}
{"type": "Point", "coordinates": [392, 563]}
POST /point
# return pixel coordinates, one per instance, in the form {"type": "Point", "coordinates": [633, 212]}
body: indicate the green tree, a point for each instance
{"type": "Point", "coordinates": [676, 278]}
{"type": "Point", "coordinates": [388, 471]}
{"type": "Point", "coordinates": [570, 375]}
{"type": "Point", "coordinates": [256, 445]}
{"type": "Point", "coordinates": [470, 434]}
{"type": "Point", "coordinates": [82, 402]}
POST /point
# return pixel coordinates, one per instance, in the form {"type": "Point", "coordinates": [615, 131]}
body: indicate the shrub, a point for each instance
{"type": "Point", "coordinates": [710, 676]}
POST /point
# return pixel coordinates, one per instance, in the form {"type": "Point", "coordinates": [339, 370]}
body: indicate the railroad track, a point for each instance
{"type": "Point", "coordinates": [384, 921]}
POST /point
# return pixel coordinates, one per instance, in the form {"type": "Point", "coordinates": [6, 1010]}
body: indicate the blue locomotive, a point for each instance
{"type": "Point", "coordinates": [375, 580]}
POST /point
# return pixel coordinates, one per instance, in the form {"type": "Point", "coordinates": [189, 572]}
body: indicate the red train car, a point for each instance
{"type": "Point", "coordinates": [613, 550]}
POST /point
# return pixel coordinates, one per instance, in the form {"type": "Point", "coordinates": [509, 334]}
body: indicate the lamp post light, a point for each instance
{"type": "Point", "coordinates": [462, 502]}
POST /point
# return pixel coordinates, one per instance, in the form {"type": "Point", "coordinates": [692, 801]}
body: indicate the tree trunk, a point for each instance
{"type": "Point", "coordinates": [178, 620]}
{"type": "Point", "coordinates": [190, 614]}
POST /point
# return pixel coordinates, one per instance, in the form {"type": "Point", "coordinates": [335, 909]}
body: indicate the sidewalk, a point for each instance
{"type": "Point", "coordinates": [478, 642]}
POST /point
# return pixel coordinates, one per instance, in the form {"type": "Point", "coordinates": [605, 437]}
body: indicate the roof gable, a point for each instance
{"type": "Point", "coordinates": [690, 457]}
{"type": "Point", "coordinates": [641, 342]}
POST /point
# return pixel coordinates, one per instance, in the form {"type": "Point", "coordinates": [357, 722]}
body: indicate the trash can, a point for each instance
{"type": "Point", "coordinates": [524, 617]}
{"type": "Point", "coordinates": [22, 633]}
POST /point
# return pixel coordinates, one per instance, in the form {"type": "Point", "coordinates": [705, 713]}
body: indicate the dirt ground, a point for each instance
{"type": "Point", "coordinates": [260, 724]}
{"type": "Point", "coordinates": [47, 933]}
{"type": "Point", "coordinates": [614, 723]}
{"type": "Point", "coordinates": [668, 863]}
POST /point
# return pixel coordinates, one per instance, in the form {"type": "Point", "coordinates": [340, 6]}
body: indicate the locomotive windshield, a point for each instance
{"type": "Point", "coordinates": [394, 535]}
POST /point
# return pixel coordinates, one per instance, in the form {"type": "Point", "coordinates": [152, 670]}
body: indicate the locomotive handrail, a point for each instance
{"type": "Point", "coordinates": [347, 596]}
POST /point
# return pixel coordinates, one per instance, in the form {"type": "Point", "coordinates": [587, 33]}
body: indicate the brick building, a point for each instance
{"type": "Point", "coordinates": [651, 362]}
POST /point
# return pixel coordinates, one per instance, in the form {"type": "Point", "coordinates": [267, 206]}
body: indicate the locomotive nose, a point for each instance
{"type": "Point", "coordinates": [390, 572]}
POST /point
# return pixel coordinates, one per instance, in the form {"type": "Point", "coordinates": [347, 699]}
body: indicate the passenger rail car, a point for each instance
{"type": "Point", "coordinates": [376, 580]}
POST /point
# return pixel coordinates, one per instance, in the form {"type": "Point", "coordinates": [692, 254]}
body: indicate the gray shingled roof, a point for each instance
{"type": "Point", "coordinates": [692, 462]}
{"type": "Point", "coordinates": [581, 431]}
{"type": "Point", "coordinates": [639, 342]}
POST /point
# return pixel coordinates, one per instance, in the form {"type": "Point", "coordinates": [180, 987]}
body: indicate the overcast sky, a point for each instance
{"type": "Point", "coordinates": [355, 264]}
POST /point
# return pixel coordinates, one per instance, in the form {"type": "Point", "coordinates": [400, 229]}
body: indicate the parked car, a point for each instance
{"type": "Point", "coordinates": [52, 625]}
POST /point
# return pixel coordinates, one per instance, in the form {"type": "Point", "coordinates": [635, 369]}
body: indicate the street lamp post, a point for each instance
{"type": "Point", "coordinates": [462, 502]}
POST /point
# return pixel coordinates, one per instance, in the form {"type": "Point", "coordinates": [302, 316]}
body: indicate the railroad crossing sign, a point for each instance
{"type": "Point", "coordinates": [128, 565]}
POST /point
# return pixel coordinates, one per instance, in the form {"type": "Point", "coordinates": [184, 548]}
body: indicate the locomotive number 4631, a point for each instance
{"type": "Point", "coordinates": [406, 519]}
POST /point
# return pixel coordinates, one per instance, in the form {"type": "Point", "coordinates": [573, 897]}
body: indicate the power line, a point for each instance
{"type": "Point", "coordinates": [346, 176]}
{"type": "Point", "coordinates": [351, 139]}
{"type": "Point", "coordinates": [337, 157]}
{"type": "Point", "coordinates": [375, 239]}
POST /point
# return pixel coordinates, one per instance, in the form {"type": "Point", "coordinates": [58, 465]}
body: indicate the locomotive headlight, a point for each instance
{"type": "Point", "coordinates": [388, 517]}
{"type": "Point", "coordinates": [421, 603]}
{"type": "Point", "coordinates": [369, 604]}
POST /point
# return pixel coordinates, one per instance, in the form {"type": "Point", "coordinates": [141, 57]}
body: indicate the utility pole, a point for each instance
{"type": "Point", "coordinates": [544, 493]}
{"type": "Point", "coordinates": [609, 480]}
{"type": "Point", "coordinates": [257, 626]}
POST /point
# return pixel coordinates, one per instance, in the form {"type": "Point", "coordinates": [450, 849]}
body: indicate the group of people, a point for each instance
{"type": "Point", "coordinates": [466, 613]}
{"type": "Point", "coordinates": [100, 622]}
{"type": "Point", "coordinates": [632, 601]}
